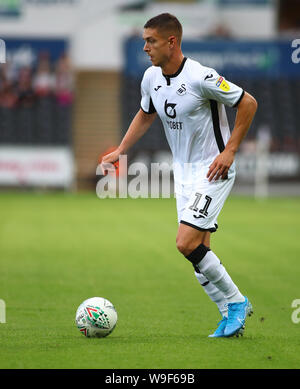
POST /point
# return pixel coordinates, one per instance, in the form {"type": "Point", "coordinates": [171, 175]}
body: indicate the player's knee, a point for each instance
{"type": "Point", "coordinates": [183, 246]}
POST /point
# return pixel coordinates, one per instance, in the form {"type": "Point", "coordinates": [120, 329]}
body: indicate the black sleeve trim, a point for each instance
{"type": "Point", "coordinates": [216, 125]}
{"type": "Point", "coordinates": [144, 110]}
{"type": "Point", "coordinates": [151, 108]}
{"type": "Point", "coordinates": [239, 100]}
{"type": "Point", "coordinates": [212, 229]}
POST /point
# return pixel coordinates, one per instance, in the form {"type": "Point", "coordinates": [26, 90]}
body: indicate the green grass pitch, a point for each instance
{"type": "Point", "coordinates": [57, 250]}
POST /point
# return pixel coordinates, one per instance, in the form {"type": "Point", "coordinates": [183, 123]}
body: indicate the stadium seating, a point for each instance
{"type": "Point", "coordinates": [35, 109]}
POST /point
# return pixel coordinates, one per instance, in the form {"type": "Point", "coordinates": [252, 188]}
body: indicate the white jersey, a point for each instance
{"type": "Point", "coordinates": [190, 104]}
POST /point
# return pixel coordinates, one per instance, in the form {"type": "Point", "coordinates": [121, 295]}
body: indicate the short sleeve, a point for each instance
{"type": "Point", "coordinates": [146, 101]}
{"type": "Point", "coordinates": [216, 87]}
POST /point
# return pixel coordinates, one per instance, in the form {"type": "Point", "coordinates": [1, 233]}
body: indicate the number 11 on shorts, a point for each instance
{"type": "Point", "coordinates": [204, 210]}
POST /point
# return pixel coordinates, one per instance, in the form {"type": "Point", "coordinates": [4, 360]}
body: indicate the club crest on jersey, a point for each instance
{"type": "Point", "coordinates": [170, 109]}
{"type": "Point", "coordinates": [182, 90]}
{"type": "Point", "coordinates": [222, 84]}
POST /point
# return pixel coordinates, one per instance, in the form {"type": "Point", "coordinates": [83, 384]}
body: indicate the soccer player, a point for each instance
{"type": "Point", "coordinates": [189, 98]}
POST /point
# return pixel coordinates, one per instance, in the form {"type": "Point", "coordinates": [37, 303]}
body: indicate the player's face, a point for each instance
{"type": "Point", "coordinates": [157, 46]}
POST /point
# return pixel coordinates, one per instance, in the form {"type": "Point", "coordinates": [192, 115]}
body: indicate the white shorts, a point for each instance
{"type": "Point", "coordinates": [199, 205]}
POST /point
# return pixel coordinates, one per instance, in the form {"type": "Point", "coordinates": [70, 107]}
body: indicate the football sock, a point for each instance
{"type": "Point", "coordinates": [209, 264]}
{"type": "Point", "coordinates": [214, 293]}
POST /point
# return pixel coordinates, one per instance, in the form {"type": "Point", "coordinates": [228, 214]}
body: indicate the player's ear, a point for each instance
{"type": "Point", "coordinates": [172, 40]}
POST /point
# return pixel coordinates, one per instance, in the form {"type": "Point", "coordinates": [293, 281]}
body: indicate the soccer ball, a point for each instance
{"type": "Point", "coordinates": [96, 317]}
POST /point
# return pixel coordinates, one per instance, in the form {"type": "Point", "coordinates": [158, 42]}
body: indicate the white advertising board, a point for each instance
{"type": "Point", "coordinates": [36, 166]}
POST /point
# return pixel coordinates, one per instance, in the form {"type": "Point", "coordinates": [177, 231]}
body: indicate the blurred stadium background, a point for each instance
{"type": "Point", "coordinates": [71, 85]}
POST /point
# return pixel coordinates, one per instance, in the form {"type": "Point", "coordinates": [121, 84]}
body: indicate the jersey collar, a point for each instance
{"type": "Point", "coordinates": [168, 76]}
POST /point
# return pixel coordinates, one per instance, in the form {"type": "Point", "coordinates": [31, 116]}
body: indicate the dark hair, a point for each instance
{"type": "Point", "coordinates": [166, 22]}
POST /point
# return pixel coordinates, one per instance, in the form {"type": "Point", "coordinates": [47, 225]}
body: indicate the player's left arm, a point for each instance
{"type": "Point", "coordinates": [245, 113]}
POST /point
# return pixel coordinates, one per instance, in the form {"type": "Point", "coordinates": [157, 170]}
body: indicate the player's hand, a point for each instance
{"type": "Point", "coordinates": [220, 166]}
{"type": "Point", "coordinates": [108, 160]}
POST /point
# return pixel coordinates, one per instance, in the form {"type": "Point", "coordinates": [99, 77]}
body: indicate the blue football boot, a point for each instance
{"type": "Point", "coordinates": [219, 333]}
{"type": "Point", "coordinates": [237, 313]}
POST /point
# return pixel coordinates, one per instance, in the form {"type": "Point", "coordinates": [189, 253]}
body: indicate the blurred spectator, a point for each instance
{"type": "Point", "coordinates": [43, 83]}
{"type": "Point", "coordinates": [8, 96]}
{"type": "Point", "coordinates": [8, 102]}
{"type": "Point", "coordinates": [64, 84]}
{"type": "Point", "coordinates": [8, 71]}
{"type": "Point", "coordinates": [26, 95]}
{"type": "Point", "coordinates": [25, 114]}
{"type": "Point", "coordinates": [64, 81]}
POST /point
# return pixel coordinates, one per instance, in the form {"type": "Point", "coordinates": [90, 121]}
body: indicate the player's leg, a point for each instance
{"type": "Point", "coordinates": [215, 295]}
{"type": "Point", "coordinates": [213, 292]}
{"type": "Point", "coordinates": [220, 283]}
{"type": "Point", "coordinates": [199, 216]}
{"type": "Point", "coordinates": [210, 289]}
{"type": "Point", "coordinates": [190, 244]}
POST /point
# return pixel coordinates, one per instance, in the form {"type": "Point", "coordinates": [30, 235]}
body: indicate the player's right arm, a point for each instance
{"type": "Point", "coordinates": [138, 127]}
{"type": "Point", "coordinates": [140, 123]}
